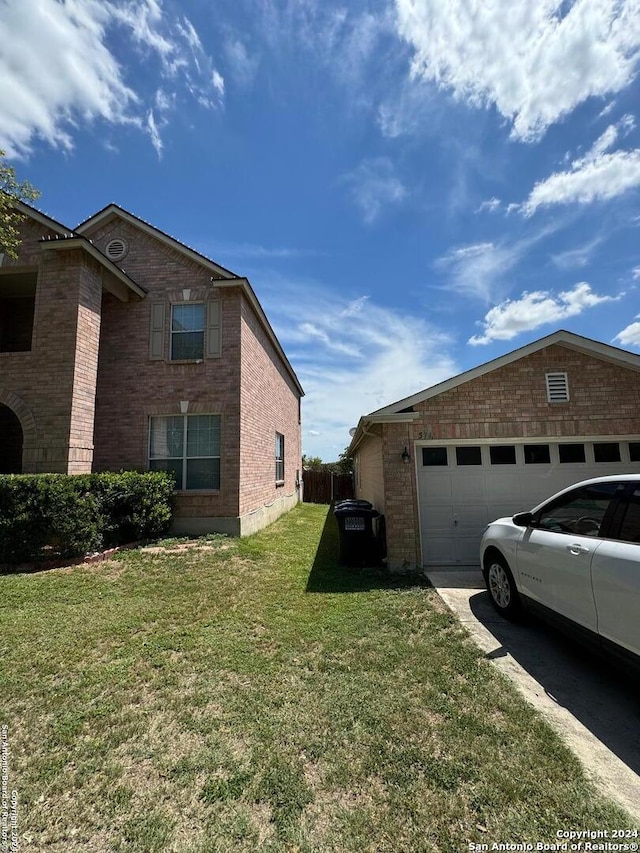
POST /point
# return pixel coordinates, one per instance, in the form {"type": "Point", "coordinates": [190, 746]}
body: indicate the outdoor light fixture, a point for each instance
{"type": "Point", "coordinates": [405, 456]}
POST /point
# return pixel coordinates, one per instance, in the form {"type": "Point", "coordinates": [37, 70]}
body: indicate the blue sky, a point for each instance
{"type": "Point", "coordinates": [413, 187]}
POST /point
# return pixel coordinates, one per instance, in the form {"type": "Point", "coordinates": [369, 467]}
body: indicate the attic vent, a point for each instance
{"type": "Point", "coordinates": [557, 387]}
{"type": "Point", "coordinates": [116, 249]}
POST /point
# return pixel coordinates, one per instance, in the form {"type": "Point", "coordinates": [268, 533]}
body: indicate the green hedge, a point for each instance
{"type": "Point", "coordinates": [45, 516]}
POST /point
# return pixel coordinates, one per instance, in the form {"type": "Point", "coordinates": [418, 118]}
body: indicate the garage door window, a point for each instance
{"type": "Point", "coordinates": [432, 456]}
{"type": "Point", "coordinates": [537, 454]}
{"type": "Point", "coordinates": [634, 451]}
{"type": "Point", "coordinates": [502, 454]}
{"type": "Point", "coordinates": [606, 451]}
{"type": "Point", "coordinates": [468, 456]}
{"type": "Point", "coordinates": [570, 453]}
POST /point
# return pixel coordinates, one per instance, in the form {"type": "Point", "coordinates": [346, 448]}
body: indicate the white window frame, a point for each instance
{"type": "Point", "coordinates": [202, 330]}
{"type": "Point", "coordinates": [279, 459]}
{"type": "Point", "coordinates": [182, 487]}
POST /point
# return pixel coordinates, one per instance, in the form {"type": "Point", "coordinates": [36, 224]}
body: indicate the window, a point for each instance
{"type": "Point", "coordinates": [634, 451]}
{"type": "Point", "coordinates": [606, 451]}
{"type": "Point", "coordinates": [279, 458]}
{"type": "Point", "coordinates": [536, 454]}
{"type": "Point", "coordinates": [630, 528]}
{"type": "Point", "coordinates": [432, 456]}
{"type": "Point", "coordinates": [189, 446]}
{"type": "Point", "coordinates": [557, 388]}
{"type": "Point", "coordinates": [578, 513]}
{"type": "Point", "coordinates": [502, 454]}
{"type": "Point", "coordinates": [17, 308]}
{"type": "Point", "coordinates": [187, 331]}
{"type": "Point", "coordinates": [468, 456]}
{"type": "Point", "coordinates": [571, 453]}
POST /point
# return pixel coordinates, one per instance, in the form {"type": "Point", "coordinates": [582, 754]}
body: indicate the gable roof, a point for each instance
{"type": "Point", "coordinates": [220, 276]}
{"type": "Point", "coordinates": [77, 241]}
{"type": "Point", "coordinates": [115, 209]}
{"type": "Point", "coordinates": [568, 339]}
{"type": "Point", "coordinates": [42, 218]}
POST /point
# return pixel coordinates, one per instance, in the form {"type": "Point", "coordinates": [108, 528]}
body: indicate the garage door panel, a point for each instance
{"type": "Point", "coordinates": [438, 489]}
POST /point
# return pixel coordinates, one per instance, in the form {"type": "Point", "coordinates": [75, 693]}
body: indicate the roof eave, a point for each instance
{"type": "Point", "coordinates": [79, 242]}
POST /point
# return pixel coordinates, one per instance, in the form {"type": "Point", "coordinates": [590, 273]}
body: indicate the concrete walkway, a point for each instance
{"type": "Point", "coordinates": [595, 709]}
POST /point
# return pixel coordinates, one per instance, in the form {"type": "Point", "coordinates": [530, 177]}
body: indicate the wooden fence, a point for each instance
{"type": "Point", "coordinates": [322, 487]}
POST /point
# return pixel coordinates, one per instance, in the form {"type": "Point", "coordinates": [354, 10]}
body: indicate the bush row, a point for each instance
{"type": "Point", "coordinates": [44, 516]}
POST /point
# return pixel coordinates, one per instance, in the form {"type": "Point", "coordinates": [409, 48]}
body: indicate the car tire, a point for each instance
{"type": "Point", "coordinates": [502, 587]}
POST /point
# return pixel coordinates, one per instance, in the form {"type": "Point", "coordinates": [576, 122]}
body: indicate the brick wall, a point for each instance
{"type": "Point", "coordinates": [269, 404]}
{"type": "Point", "coordinates": [508, 403]}
{"type": "Point", "coordinates": [39, 385]}
{"type": "Point", "coordinates": [132, 387]}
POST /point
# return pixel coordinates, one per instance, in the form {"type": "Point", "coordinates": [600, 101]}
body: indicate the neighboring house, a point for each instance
{"type": "Point", "coordinates": [497, 439]}
{"type": "Point", "coordinates": [121, 347]}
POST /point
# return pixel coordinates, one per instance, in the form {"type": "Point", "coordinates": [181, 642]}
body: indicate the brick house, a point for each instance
{"type": "Point", "coordinates": [121, 347]}
{"type": "Point", "coordinates": [494, 440]}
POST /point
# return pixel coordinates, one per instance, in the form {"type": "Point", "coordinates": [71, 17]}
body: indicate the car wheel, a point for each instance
{"type": "Point", "coordinates": [502, 588]}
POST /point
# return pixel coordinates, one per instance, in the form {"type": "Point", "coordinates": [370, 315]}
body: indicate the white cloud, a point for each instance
{"type": "Point", "coordinates": [58, 71]}
{"type": "Point", "coordinates": [535, 61]}
{"type": "Point", "coordinates": [594, 178]}
{"type": "Point", "coordinates": [156, 139]}
{"type": "Point", "coordinates": [576, 258]}
{"type": "Point", "coordinates": [375, 187]}
{"type": "Point", "coordinates": [635, 273]}
{"type": "Point", "coordinates": [352, 356]}
{"type": "Point", "coordinates": [477, 269]}
{"type": "Point", "coordinates": [503, 322]}
{"type": "Point", "coordinates": [490, 204]}
{"type": "Point", "coordinates": [243, 66]}
{"type": "Point", "coordinates": [630, 336]}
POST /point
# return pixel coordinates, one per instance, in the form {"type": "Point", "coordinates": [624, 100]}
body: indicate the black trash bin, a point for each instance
{"type": "Point", "coordinates": [359, 544]}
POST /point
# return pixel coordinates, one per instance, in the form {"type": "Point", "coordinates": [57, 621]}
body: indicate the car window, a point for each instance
{"type": "Point", "coordinates": [630, 527]}
{"type": "Point", "coordinates": [578, 512]}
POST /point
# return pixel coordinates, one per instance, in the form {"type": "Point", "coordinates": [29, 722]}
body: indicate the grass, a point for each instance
{"type": "Point", "coordinates": [242, 695]}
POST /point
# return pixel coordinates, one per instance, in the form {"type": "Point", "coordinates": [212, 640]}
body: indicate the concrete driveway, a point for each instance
{"type": "Point", "coordinates": [595, 709]}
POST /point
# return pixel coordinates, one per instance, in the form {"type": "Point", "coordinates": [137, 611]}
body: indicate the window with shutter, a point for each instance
{"type": "Point", "coordinates": [557, 388]}
{"type": "Point", "coordinates": [156, 334]}
{"type": "Point", "coordinates": [213, 338]}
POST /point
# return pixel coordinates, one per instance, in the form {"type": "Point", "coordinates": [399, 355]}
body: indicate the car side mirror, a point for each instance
{"type": "Point", "coordinates": [522, 519]}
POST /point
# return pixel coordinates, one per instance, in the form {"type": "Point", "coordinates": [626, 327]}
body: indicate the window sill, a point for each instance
{"type": "Point", "coordinates": [182, 492]}
{"type": "Point", "coordinates": [184, 360]}
{"type": "Point", "coordinates": [279, 484]}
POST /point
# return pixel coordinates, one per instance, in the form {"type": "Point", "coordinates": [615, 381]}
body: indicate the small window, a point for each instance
{"type": "Point", "coordinates": [579, 513]}
{"type": "Point", "coordinates": [188, 446]}
{"type": "Point", "coordinates": [630, 528]}
{"type": "Point", "coordinates": [279, 458]}
{"type": "Point", "coordinates": [557, 388]}
{"type": "Point", "coordinates": [536, 454]}
{"type": "Point", "coordinates": [634, 451]}
{"type": "Point", "coordinates": [502, 454]}
{"type": "Point", "coordinates": [433, 456]}
{"type": "Point", "coordinates": [187, 331]}
{"type": "Point", "coordinates": [606, 451]}
{"type": "Point", "coordinates": [468, 456]}
{"type": "Point", "coordinates": [571, 453]}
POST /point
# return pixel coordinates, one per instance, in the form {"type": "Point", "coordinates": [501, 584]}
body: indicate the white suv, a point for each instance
{"type": "Point", "coordinates": [575, 559]}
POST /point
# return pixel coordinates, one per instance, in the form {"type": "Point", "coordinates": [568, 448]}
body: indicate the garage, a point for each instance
{"type": "Point", "coordinates": [493, 440]}
{"type": "Point", "coordinates": [464, 486]}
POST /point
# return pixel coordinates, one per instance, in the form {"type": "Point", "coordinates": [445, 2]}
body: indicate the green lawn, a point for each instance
{"type": "Point", "coordinates": [243, 695]}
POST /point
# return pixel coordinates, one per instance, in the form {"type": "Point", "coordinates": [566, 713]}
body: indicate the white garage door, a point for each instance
{"type": "Point", "coordinates": [462, 487]}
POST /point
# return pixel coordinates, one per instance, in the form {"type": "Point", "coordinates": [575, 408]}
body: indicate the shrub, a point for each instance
{"type": "Point", "coordinates": [60, 515]}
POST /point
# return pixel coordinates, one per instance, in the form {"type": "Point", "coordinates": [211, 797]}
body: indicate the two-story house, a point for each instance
{"type": "Point", "coordinates": [122, 348]}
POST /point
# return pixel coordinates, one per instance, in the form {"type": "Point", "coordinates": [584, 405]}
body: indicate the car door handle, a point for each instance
{"type": "Point", "coordinates": [577, 549]}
